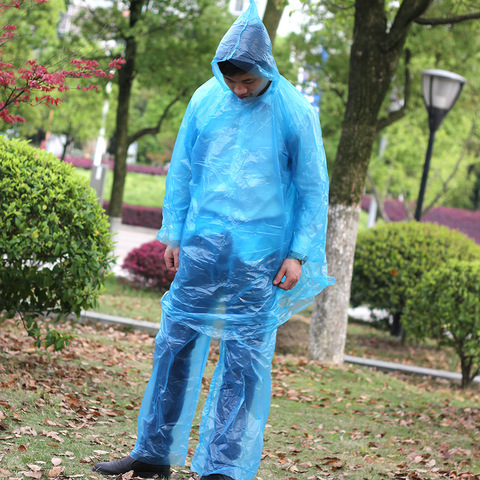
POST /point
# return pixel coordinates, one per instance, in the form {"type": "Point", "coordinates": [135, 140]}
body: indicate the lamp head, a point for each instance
{"type": "Point", "coordinates": [441, 90]}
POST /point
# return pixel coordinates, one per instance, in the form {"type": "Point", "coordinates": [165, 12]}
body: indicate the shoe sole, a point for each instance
{"type": "Point", "coordinates": [136, 474]}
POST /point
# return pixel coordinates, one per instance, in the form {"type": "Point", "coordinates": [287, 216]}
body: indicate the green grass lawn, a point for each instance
{"type": "Point", "coordinates": [124, 300]}
{"type": "Point", "coordinates": [65, 411]}
{"type": "Point", "coordinates": [140, 189]}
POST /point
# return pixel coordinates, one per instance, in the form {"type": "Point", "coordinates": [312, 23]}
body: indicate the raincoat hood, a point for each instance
{"type": "Point", "coordinates": [247, 45]}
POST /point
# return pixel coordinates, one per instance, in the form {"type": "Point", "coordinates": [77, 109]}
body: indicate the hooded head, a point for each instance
{"type": "Point", "coordinates": [247, 45]}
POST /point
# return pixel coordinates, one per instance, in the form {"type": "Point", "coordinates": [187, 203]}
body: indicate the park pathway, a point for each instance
{"type": "Point", "coordinates": [128, 238]}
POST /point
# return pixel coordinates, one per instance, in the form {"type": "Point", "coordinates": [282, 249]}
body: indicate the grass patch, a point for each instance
{"type": "Point", "coordinates": [122, 299]}
{"type": "Point", "coordinates": [140, 189]}
{"type": "Point", "coordinates": [80, 406]}
{"type": "Point", "coordinates": [364, 340]}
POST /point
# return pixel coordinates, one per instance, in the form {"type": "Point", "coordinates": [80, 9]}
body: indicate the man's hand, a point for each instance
{"type": "Point", "coordinates": [171, 258]}
{"type": "Point", "coordinates": [291, 269]}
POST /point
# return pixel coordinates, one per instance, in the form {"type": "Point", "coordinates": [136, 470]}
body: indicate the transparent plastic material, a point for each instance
{"type": "Point", "coordinates": [247, 187]}
{"type": "Point", "coordinates": [235, 411]}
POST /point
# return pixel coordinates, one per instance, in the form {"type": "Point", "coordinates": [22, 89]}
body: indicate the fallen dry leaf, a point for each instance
{"type": "Point", "coordinates": [55, 472]}
{"type": "Point", "coordinates": [100, 452]}
{"type": "Point", "coordinates": [32, 474]}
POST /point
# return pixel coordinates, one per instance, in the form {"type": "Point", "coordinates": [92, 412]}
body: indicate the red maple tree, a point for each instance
{"type": "Point", "coordinates": [34, 83]}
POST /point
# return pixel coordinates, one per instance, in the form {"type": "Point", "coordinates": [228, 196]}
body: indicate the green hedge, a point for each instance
{"type": "Point", "coordinates": [55, 245]}
{"type": "Point", "coordinates": [391, 258]}
{"type": "Point", "coordinates": [445, 306]}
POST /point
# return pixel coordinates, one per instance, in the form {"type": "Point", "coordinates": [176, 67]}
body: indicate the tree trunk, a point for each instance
{"type": "Point", "coordinates": [67, 143]}
{"type": "Point", "coordinates": [373, 60]}
{"type": "Point", "coordinates": [466, 366]}
{"type": "Point", "coordinates": [125, 80]}
{"type": "Point", "coordinates": [271, 17]}
{"type": "Point", "coordinates": [396, 329]}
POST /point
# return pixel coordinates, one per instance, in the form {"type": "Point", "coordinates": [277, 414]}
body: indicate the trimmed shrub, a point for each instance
{"type": "Point", "coordinates": [55, 245]}
{"type": "Point", "coordinates": [391, 258]}
{"type": "Point", "coordinates": [150, 217]}
{"type": "Point", "coordinates": [147, 266]}
{"type": "Point", "coordinates": [445, 306]}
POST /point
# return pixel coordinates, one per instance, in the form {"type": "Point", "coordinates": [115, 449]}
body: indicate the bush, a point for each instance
{"type": "Point", "coordinates": [55, 247]}
{"type": "Point", "coordinates": [150, 217]}
{"type": "Point", "coordinates": [445, 306]}
{"type": "Point", "coordinates": [391, 258]}
{"type": "Point", "coordinates": [147, 266]}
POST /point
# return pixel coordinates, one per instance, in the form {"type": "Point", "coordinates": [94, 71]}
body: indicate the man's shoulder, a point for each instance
{"type": "Point", "coordinates": [205, 91]}
{"type": "Point", "coordinates": [297, 99]}
{"type": "Point", "coordinates": [296, 108]}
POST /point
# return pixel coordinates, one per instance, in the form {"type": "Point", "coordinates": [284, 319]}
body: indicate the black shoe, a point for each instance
{"type": "Point", "coordinates": [216, 476]}
{"type": "Point", "coordinates": [126, 464]}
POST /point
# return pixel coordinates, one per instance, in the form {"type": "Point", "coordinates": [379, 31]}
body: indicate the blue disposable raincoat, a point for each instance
{"type": "Point", "coordinates": [247, 187]}
{"type": "Point", "coordinates": [247, 182]}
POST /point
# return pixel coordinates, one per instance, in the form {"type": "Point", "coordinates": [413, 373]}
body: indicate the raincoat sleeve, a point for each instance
{"type": "Point", "coordinates": [311, 182]}
{"type": "Point", "coordinates": [177, 189]}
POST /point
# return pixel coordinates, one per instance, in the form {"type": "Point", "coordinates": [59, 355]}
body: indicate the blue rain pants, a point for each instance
{"type": "Point", "coordinates": [236, 408]}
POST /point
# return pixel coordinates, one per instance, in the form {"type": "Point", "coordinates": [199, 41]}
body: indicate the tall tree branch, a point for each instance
{"type": "Point", "coordinates": [154, 130]}
{"type": "Point", "coordinates": [398, 114]}
{"type": "Point", "coordinates": [340, 94]}
{"type": "Point", "coordinates": [447, 20]}
{"type": "Point", "coordinates": [408, 12]}
{"type": "Point", "coordinates": [272, 16]}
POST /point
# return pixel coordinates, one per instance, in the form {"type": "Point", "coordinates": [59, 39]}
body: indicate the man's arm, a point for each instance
{"type": "Point", "coordinates": [311, 183]}
{"type": "Point", "coordinates": [177, 190]}
{"type": "Point", "coordinates": [171, 258]}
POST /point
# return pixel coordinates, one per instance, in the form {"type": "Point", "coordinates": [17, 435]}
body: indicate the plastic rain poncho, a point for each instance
{"type": "Point", "coordinates": [247, 187]}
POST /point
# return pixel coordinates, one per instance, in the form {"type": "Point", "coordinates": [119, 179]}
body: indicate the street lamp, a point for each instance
{"type": "Point", "coordinates": [440, 92]}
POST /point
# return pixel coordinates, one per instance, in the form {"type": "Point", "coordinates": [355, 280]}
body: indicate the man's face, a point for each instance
{"type": "Point", "coordinates": [245, 85]}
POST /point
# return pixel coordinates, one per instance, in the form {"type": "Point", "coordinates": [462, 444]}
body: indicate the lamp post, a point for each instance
{"type": "Point", "coordinates": [441, 90]}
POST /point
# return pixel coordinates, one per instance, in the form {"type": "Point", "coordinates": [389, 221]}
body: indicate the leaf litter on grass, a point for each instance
{"type": "Point", "coordinates": [369, 425]}
{"type": "Point", "coordinates": [60, 412]}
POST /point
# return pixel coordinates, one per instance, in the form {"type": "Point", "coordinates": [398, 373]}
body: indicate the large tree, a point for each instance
{"type": "Point", "coordinates": [378, 43]}
{"type": "Point", "coordinates": [167, 47]}
{"type": "Point", "coordinates": [272, 16]}
{"type": "Point", "coordinates": [398, 153]}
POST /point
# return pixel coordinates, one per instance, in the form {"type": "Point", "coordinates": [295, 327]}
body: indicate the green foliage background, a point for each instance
{"type": "Point", "coordinates": [323, 48]}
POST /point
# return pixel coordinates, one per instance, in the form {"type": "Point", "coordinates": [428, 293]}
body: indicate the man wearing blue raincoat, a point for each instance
{"type": "Point", "coordinates": [245, 215]}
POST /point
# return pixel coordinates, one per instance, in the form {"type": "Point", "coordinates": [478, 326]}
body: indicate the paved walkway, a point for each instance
{"type": "Point", "coordinates": [128, 238]}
